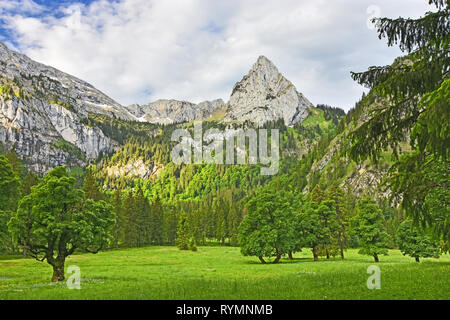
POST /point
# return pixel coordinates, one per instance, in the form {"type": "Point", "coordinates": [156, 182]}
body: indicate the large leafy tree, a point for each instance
{"type": "Point", "coordinates": [415, 243]}
{"type": "Point", "coordinates": [55, 219]}
{"type": "Point", "coordinates": [268, 228]}
{"type": "Point", "coordinates": [410, 100]}
{"type": "Point", "coordinates": [368, 225]}
{"type": "Point", "coordinates": [316, 226]}
{"type": "Point", "coordinates": [309, 231]}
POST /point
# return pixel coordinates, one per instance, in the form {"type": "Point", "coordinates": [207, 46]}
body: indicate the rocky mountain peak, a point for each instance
{"type": "Point", "coordinates": [263, 95]}
{"type": "Point", "coordinates": [174, 111]}
{"type": "Point", "coordinates": [265, 66]}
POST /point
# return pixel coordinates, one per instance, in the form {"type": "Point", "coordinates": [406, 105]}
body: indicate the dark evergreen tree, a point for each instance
{"type": "Point", "coordinates": [410, 99]}
{"type": "Point", "coordinates": [9, 195]}
{"type": "Point", "coordinates": [91, 189]}
{"type": "Point", "coordinates": [336, 194]}
{"type": "Point", "coordinates": [183, 231]}
{"type": "Point", "coordinates": [157, 222]}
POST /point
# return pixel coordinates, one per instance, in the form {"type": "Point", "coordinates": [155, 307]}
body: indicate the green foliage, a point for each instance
{"type": "Point", "coordinates": [10, 90]}
{"type": "Point", "coordinates": [192, 244]}
{"type": "Point", "coordinates": [411, 98]}
{"type": "Point", "coordinates": [121, 130]}
{"type": "Point", "coordinates": [65, 105]}
{"type": "Point", "coordinates": [423, 183]}
{"type": "Point", "coordinates": [340, 235]}
{"type": "Point", "coordinates": [183, 232]}
{"type": "Point", "coordinates": [9, 186]}
{"type": "Point", "coordinates": [71, 149]}
{"type": "Point", "coordinates": [91, 189]}
{"type": "Point", "coordinates": [9, 195]}
{"type": "Point", "coordinates": [308, 228]}
{"type": "Point", "coordinates": [268, 227]}
{"type": "Point", "coordinates": [415, 243]}
{"type": "Point", "coordinates": [368, 225]}
{"type": "Point", "coordinates": [55, 220]}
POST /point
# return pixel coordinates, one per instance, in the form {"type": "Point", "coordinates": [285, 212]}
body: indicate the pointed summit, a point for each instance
{"type": "Point", "coordinates": [263, 95]}
{"type": "Point", "coordinates": [264, 62]}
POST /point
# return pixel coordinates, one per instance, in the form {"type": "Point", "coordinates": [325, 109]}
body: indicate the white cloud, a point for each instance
{"type": "Point", "coordinates": [25, 6]}
{"type": "Point", "coordinates": [141, 50]}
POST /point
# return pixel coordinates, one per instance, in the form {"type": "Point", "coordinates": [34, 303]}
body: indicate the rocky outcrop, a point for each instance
{"type": "Point", "coordinates": [135, 169]}
{"type": "Point", "coordinates": [43, 113]}
{"type": "Point", "coordinates": [263, 95]}
{"type": "Point", "coordinates": [174, 111]}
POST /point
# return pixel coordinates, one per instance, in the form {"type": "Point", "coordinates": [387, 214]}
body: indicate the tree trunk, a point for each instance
{"type": "Point", "coordinates": [278, 258]}
{"type": "Point", "coordinates": [24, 252]}
{"type": "Point", "coordinates": [328, 254]}
{"type": "Point", "coordinates": [375, 256]}
{"type": "Point", "coordinates": [223, 242]}
{"type": "Point", "coordinates": [417, 259]}
{"type": "Point", "coordinates": [262, 260]}
{"type": "Point", "coordinates": [58, 273]}
{"type": "Point", "coordinates": [290, 255]}
{"type": "Point", "coordinates": [341, 246]}
{"type": "Point", "coordinates": [316, 256]}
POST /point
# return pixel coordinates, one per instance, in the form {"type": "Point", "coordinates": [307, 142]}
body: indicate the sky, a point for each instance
{"type": "Point", "coordinates": [138, 51]}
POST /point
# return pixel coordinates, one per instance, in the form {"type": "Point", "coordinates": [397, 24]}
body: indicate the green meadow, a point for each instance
{"type": "Point", "coordinates": [223, 273]}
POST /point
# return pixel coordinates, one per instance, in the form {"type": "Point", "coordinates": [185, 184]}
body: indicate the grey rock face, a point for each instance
{"type": "Point", "coordinates": [264, 94]}
{"type": "Point", "coordinates": [42, 111]}
{"type": "Point", "coordinates": [174, 111]}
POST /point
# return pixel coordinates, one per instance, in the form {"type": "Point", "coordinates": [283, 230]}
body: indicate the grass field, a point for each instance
{"type": "Point", "coordinates": [223, 273]}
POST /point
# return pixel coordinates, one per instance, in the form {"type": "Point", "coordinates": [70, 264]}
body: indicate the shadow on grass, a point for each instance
{"type": "Point", "coordinates": [11, 257]}
{"type": "Point", "coordinates": [282, 261]}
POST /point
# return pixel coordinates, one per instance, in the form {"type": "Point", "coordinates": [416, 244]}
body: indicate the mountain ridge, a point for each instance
{"type": "Point", "coordinates": [44, 112]}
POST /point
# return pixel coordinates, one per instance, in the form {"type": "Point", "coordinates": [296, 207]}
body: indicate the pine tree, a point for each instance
{"type": "Point", "coordinates": [221, 209]}
{"type": "Point", "coordinates": [326, 213]}
{"type": "Point", "coordinates": [9, 195]}
{"type": "Point", "coordinates": [119, 227]}
{"type": "Point", "coordinates": [142, 218]}
{"type": "Point", "coordinates": [410, 99]}
{"type": "Point", "coordinates": [192, 244]}
{"type": "Point", "coordinates": [29, 181]}
{"type": "Point", "coordinates": [156, 222]}
{"type": "Point", "coordinates": [183, 231]}
{"type": "Point", "coordinates": [130, 220]}
{"type": "Point", "coordinates": [170, 225]}
{"type": "Point", "coordinates": [337, 195]}
{"type": "Point", "coordinates": [91, 189]}
{"type": "Point", "coordinates": [317, 195]}
{"type": "Point", "coordinates": [234, 220]}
